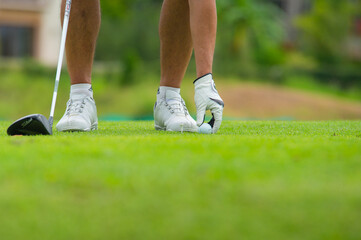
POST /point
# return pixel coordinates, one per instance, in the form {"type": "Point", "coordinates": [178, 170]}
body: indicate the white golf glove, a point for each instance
{"type": "Point", "coordinates": [207, 98]}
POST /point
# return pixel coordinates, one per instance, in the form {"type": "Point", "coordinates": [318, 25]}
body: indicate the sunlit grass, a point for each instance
{"type": "Point", "coordinates": [252, 180]}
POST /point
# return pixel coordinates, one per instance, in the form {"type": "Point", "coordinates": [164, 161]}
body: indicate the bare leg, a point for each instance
{"type": "Point", "coordinates": [184, 24]}
{"type": "Point", "coordinates": [203, 19]}
{"type": "Point", "coordinates": [82, 34]}
{"type": "Point", "coordinates": [175, 42]}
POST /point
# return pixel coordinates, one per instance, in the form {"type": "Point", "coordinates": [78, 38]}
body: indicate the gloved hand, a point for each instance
{"type": "Point", "coordinates": [207, 98]}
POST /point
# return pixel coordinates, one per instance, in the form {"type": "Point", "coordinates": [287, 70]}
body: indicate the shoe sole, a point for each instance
{"type": "Point", "coordinates": [93, 127]}
{"type": "Point", "coordinates": [158, 128]}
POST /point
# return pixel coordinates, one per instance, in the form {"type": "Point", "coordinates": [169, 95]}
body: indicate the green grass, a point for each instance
{"type": "Point", "coordinates": [253, 180]}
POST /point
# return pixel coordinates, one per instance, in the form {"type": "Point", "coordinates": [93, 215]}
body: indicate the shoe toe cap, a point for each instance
{"type": "Point", "coordinates": [73, 123]}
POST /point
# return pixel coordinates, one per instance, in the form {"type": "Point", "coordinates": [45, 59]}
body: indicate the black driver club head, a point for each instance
{"type": "Point", "coordinates": [35, 124]}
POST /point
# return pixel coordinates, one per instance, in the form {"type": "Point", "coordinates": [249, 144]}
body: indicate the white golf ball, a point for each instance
{"type": "Point", "coordinates": [205, 128]}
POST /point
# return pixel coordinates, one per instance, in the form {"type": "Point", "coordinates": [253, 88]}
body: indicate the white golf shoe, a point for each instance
{"type": "Point", "coordinates": [171, 114]}
{"type": "Point", "coordinates": [80, 115]}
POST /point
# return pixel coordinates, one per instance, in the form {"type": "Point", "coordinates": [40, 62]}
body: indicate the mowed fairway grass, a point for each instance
{"type": "Point", "coordinates": [252, 180]}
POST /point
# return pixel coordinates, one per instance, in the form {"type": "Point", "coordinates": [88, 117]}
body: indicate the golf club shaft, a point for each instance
{"type": "Point", "coordinates": [60, 60]}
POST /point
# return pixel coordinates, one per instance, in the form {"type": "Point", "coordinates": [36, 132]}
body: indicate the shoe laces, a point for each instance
{"type": "Point", "coordinates": [75, 106]}
{"type": "Point", "coordinates": [174, 106]}
{"type": "Point", "coordinates": [184, 107]}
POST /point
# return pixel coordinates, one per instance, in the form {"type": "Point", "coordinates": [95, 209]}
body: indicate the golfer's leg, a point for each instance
{"type": "Point", "coordinates": [175, 53]}
{"type": "Point", "coordinates": [175, 42]}
{"type": "Point", "coordinates": [81, 112]}
{"type": "Point", "coordinates": [82, 34]}
{"type": "Point", "coordinates": [203, 22]}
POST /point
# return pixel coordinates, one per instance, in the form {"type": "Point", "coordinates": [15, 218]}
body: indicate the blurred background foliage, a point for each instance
{"type": "Point", "coordinates": [326, 28]}
{"type": "Point", "coordinates": [257, 39]}
{"type": "Point", "coordinates": [252, 40]}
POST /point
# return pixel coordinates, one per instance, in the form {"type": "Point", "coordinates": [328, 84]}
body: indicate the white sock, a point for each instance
{"type": "Point", "coordinates": [81, 90]}
{"type": "Point", "coordinates": [163, 89]}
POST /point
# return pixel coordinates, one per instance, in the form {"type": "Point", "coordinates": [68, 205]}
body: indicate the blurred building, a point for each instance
{"type": "Point", "coordinates": [30, 28]}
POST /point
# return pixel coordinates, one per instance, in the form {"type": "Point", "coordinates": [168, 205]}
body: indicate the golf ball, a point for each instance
{"type": "Point", "coordinates": [205, 128]}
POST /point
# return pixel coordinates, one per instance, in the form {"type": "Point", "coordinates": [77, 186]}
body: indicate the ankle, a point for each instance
{"type": "Point", "coordinates": [81, 90]}
{"type": "Point", "coordinates": [163, 89]}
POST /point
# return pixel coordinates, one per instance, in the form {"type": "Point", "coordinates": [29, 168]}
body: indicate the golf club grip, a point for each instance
{"type": "Point", "coordinates": [61, 56]}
